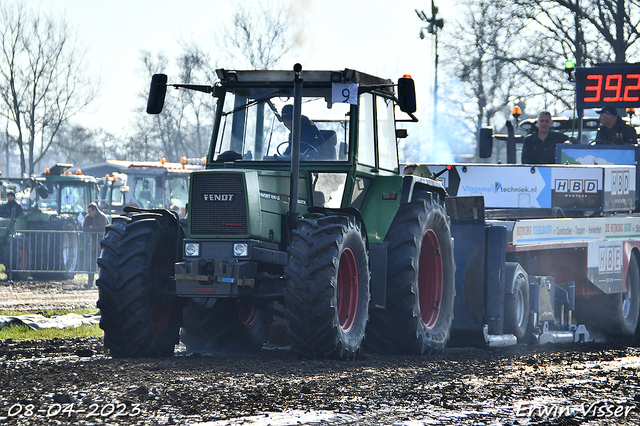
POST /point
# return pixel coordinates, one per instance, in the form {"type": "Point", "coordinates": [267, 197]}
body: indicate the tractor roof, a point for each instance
{"type": "Point", "coordinates": [272, 76]}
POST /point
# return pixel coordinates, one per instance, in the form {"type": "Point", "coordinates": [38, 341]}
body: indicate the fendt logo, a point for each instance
{"type": "Point", "coordinates": [576, 186]}
{"type": "Point", "coordinates": [218, 197]}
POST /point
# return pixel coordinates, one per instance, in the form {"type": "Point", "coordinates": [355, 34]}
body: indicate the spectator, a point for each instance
{"type": "Point", "coordinates": [95, 220]}
{"type": "Point", "coordinates": [7, 208]}
{"type": "Point", "coordinates": [613, 130]}
{"type": "Point", "coordinates": [540, 145]}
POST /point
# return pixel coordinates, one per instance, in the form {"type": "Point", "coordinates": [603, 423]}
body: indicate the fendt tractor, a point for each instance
{"type": "Point", "coordinates": [300, 215]}
{"type": "Point", "coordinates": [551, 252]}
{"type": "Point", "coordinates": [53, 201]}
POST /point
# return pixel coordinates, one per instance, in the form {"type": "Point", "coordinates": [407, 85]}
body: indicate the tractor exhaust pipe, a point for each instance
{"type": "Point", "coordinates": [292, 215]}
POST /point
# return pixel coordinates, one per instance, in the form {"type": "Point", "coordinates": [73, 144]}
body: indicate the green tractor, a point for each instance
{"type": "Point", "coordinates": [301, 217]}
{"type": "Point", "coordinates": [54, 201]}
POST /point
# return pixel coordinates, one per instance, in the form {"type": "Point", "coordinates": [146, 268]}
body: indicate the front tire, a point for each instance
{"type": "Point", "coordinates": [327, 293]}
{"type": "Point", "coordinates": [138, 316]}
{"type": "Point", "coordinates": [420, 282]}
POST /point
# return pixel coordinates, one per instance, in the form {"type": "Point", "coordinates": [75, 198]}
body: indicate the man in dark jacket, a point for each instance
{"type": "Point", "coordinates": [540, 145]}
{"type": "Point", "coordinates": [613, 129]}
{"type": "Point", "coordinates": [7, 208]}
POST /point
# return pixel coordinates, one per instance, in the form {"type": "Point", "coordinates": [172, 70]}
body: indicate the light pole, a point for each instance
{"type": "Point", "coordinates": [432, 28]}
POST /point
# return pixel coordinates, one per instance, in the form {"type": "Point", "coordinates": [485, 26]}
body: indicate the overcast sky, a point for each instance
{"type": "Point", "coordinates": [378, 37]}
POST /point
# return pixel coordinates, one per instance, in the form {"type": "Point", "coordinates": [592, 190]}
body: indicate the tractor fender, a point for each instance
{"type": "Point", "coordinates": [415, 187]}
{"type": "Point", "coordinates": [350, 211]}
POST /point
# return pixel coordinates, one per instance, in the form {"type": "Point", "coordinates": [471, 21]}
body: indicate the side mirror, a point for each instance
{"type": "Point", "coordinates": [407, 95]}
{"type": "Point", "coordinates": [485, 142]}
{"type": "Point", "coordinates": [42, 192]}
{"type": "Point", "coordinates": [157, 92]}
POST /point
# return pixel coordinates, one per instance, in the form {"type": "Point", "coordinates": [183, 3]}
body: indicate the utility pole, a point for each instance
{"type": "Point", "coordinates": [433, 25]}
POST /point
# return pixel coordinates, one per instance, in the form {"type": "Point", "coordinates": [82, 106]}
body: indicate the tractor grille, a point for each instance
{"type": "Point", "coordinates": [218, 205]}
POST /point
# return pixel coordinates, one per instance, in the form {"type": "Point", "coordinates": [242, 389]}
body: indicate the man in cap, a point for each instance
{"type": "Point", "coordinates": [613, 130]}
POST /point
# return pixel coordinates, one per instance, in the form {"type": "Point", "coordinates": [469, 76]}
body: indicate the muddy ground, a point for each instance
{"type": "Point", "coordinates": [75, 382]}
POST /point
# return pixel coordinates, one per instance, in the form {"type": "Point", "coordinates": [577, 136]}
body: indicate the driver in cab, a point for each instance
{"type": "Point", "coordinates": [310, 137]}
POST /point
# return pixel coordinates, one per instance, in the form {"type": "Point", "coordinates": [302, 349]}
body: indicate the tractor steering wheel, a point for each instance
{"type": "Point", "coordinates": [307, 151]}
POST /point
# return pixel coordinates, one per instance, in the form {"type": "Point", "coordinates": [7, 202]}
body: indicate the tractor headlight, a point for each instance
{"type": "Point", "coordinates": [192, 249]}
{"type": "Point", "coordinates": [241, 249]}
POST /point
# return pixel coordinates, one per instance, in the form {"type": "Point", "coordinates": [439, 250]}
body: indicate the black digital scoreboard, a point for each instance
{"type": "Point", "coordinates": [616, 85]}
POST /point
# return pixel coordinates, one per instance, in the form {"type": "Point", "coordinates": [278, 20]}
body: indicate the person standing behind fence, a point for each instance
{"type": "Point", "coordinates": [6, 209]}
{"type": "Point", "coordinates": [95, 220]}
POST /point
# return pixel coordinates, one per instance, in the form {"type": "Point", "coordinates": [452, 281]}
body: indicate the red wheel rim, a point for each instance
{"type": "Point", "coordinates": [430, 279]}
{"type": "Point", "coordinates": [248, 314]}
{"type": "Point", "coordinates": [348, 289]}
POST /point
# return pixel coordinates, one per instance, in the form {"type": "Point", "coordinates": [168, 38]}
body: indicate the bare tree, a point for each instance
{"type": "Point", "coordinates": [184, 126]}
{"type": "Point", "coordinates": [615, 21]}
{"type": "Point", "coordinates": [81, 146]}
{"type": "Point", "coordinates": [585, 31]}
{"type": "Point", "coordinates": [258, 37]}
{"type": "Point", "coordinates": [481, 43]}
{"type": "Point", "coordinates": [41, 81]}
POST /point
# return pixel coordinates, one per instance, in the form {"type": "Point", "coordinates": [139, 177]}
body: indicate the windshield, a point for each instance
{"type": "Point", "coordinates": [256, 125]}
{"type": "Point", "coordinates": [177, 190]}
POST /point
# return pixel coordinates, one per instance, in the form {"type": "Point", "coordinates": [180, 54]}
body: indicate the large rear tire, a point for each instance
{"type": "Point", "coordinates": [229, 326]}
{"type": "Point", "coordinates": [138, 316]}
{"type": "Point", "coordinates": [420, 282]}
{"type": "Point", "coordinates": [327, 294]}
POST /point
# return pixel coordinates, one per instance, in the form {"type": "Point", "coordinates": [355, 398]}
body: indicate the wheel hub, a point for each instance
{"type": "Point", "coordinates": [430, 279]}
{"type": "Point", "coordinates": [348, 289]}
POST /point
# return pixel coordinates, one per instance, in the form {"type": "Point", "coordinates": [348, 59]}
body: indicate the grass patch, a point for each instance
{"type": "Point", "coordinates": [48, 313]}
{"type": "Point", "coordinates": [23, 332]}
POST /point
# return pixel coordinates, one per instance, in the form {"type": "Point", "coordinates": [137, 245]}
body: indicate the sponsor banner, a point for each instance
{"type": "Point", "coordinates": [506, 187]}
{"type": "Point", "coordinates": [572, 230]}
{"type": "Point", "coordinates": [591, 188]}
{"type": "Point", "coordinates": [604, 265]}
{"type": "Point", "coordinates": [577, 188]}
{"type": "Point", "coordinates": [620, 183]}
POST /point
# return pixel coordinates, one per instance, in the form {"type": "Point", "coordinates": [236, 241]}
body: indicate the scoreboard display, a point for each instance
{"type": "Point", "coordinates": [616, 85]}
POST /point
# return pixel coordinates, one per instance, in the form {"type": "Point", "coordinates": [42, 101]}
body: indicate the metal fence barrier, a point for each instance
{"type": "Point", "coordinates": [53, 254]}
